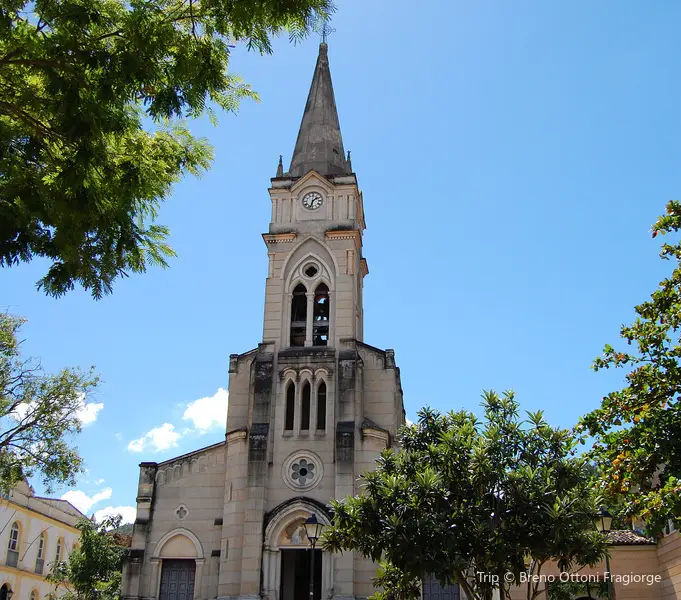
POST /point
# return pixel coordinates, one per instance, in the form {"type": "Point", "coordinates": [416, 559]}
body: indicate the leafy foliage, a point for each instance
{"type": "Point", "coordinates": [636, 429]}
{"type": "Point", "coordinates": [38, 414]}
{"type": "Point", "coordinates": [568, 590]}
{"type": "Point", "coordinates": [81, 179]}
{"type": "Point", "coordinates": [465, 496]}
{"type": "Point", "coordinates": [93, 569]}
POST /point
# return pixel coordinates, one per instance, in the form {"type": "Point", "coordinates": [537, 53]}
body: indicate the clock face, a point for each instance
{"type": "Point", "coordinates": [312, 200]}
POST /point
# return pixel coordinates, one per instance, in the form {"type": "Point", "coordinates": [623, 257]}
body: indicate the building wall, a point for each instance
{"type": "Point", "coordinates": [669, 558]}
{"type": "Point", "coordinates": [624, 560]}
{"type": "Point", "coordinates": [57, 519]}
{"type": "Point", "coordinates": [185, 521]}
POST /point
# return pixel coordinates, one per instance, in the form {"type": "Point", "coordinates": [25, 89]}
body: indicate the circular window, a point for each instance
{"type": "Point", "coordinates": [302, 471]}
{"type": "Point", "coordinates": [311, 271]}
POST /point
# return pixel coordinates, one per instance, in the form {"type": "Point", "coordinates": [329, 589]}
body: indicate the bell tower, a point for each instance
{"type": "Point", "coordinates": [312, 406]}
{"type": "Point", "coordinates": [316, 268]}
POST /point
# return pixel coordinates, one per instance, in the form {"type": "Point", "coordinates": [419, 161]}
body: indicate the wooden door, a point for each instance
{"type": "Point", "coordinates": [177, 580]}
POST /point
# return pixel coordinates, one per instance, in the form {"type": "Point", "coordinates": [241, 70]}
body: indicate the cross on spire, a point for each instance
{"type": "Point", "coordinates": [322, 27]}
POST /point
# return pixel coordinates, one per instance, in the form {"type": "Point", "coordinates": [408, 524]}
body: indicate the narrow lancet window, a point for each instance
{"type": "Point", "coordinates": [320, 316]}
{"type": "Point", "coordinates": [305, 408]}
{"type": "Point", "coordinates": [298, 315]}
{"type": "Point", "coordinates": [321, 407]}
{"type": "Point", "coordinates": [290, 406]}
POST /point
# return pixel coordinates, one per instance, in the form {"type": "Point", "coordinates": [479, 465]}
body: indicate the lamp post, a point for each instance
{"type": "Point", "coordinates": [314, 529]}
{"type": "Point", "coordinates": [604, 524]}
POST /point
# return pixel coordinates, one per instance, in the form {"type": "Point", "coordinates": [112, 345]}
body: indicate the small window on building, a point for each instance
{"type": "Point", "coordinates": [40, 557]}
{"type": "Point", "coordinates": [60, 545]}
{"type": "Point", "coordinates": [298, 315]}
{"type": "Point", "coordinates": [33, 596]}
{"type": "Point", "coordinates": [671, 527]}
{"type": "Point", "coordinates": [290, 406]}
{"type": "Point", "coordinates": [321, 407]}
{"type": "Point", "coordinates": [305, 407]}
{"type": "Point", "coordinates": [320, 316]}
{"type": "Point", "coordinates": [13, 546]}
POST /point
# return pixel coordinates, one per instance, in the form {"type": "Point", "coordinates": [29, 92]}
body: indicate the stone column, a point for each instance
{"type": "Point", "coordinates": [197, 578]}
{"type": "Point", "coordinates": [310, 313]}
{"type": "Point", "coordinates": [332, 321]}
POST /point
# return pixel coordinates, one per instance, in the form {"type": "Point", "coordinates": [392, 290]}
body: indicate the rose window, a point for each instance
{"type": "Point", "coordinates": [302, 471]}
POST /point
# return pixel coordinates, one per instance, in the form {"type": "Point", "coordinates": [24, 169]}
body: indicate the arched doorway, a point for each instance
{"type": "Point", "coordinates": [178, 558]}
{"type": "Point", "coordinates": [287, 554]}
{"type": "Point", "coordinates": [6, 592]}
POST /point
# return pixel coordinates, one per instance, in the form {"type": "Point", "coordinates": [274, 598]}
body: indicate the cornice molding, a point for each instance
{"type": "Point", "coordinates": [345, 234]}
{"type": "Point", "coordinates": [279, 238]}
{"type": "Point", "coordinates": [236, 436]}
{"type": "Point", "coordinates": [376, 434]}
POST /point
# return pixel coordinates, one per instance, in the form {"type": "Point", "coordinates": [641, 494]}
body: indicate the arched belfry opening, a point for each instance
{"type": "Point", "coordinates": [298, 315]}
{"type": "Point", "coordinates": [320, 316]}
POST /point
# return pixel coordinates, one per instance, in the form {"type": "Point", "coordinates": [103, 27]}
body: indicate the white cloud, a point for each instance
{"type": "Point", "coordinates": [83, 502]}
{"type": "Point", "coordinates": [127, 512]}
{"type": "Point", "coordinates": [86, 413]}
{"type": "Point", "coordinates": [158, 439]}
{"type": "Point", "coordinates": [206, 413]}
{"type": "Point", "coordinates": [99, 481]}
{"type": "Point", "coordinates": [408, 422]}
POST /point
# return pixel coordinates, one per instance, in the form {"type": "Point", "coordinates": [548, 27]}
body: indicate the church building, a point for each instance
{"type": "Point", "coordinates": [310, 408]}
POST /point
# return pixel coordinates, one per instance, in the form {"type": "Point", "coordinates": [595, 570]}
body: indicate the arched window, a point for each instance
{"type": "Point", "coordinates": [13, 546]}
{"type": "Point", "coordinates": [298, 315]}
{"type": "Point", "coordinates": [320, 316]}
{"type": "Point", "coordinates": [34, 595]}
{"type": "Point", "coordinates": [5, 592]}
{"type": "Point", "coordinates": [60, 545]}
{"type": "Point", "coordinates": [305, 407]}
{"type": "Point", "coordinates": [321, 407]}
{"type": "Point", "coordinates": [40, 557]}
{"type": "Point", "coordinates": [290, 406]}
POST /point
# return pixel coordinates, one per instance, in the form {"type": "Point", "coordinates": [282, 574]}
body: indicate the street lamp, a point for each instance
{"type": "Point", "coordinates": [314, 529]}
{"type": "Point", "coordinates": [604, 524]}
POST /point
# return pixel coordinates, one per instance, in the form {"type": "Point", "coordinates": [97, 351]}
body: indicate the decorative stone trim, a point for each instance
{"type": "Point", "coordinates": [345, 234]}
{"type": "Point", "coordinates": [238, 435]}
{"type": "Point", "coordinates": [376, 434]}
{"type": "Point", "coordinates": [363, 267]}
{"type": "Point", "coordinates": [302, 471]}
{"type": "Point", "coordinates": [279, 238]}
{"type": "Point", "coordinates": [181, 512]}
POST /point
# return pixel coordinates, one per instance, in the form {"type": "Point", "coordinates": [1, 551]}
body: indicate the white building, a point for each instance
{"type": "Point", "coordinates": [34, 532]}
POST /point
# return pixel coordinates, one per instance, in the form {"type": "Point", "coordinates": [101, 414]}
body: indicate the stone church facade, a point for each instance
{"type": "Point", "coordinates": [310, 408]}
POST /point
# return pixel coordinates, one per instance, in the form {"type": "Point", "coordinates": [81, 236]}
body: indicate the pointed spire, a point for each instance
{"type": "Point", "coordinates": [280, 167]}
{"type": "Point", "coordinates": [319, 145]}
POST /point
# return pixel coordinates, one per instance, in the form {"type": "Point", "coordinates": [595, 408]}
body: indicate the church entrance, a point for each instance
{"type": "Point", "coordinates": [177, 580]}
{"type": "Point", "coordinates": [295, 575]}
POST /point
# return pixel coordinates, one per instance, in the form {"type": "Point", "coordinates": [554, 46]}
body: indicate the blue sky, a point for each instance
{"type": "Point", "coordinates": [512, 156]}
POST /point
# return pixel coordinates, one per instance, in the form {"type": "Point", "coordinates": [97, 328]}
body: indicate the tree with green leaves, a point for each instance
{"type": "Point", "coordinates": [636, 429]}
{"type": "Point", "coordinates": [93, 569]}
{"type": "Point", "coordinates": [39, 414]}
{"type": "Point", "coordinates": [93, 97]}
{"type": "Point", "coordinates": [471, 500]}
